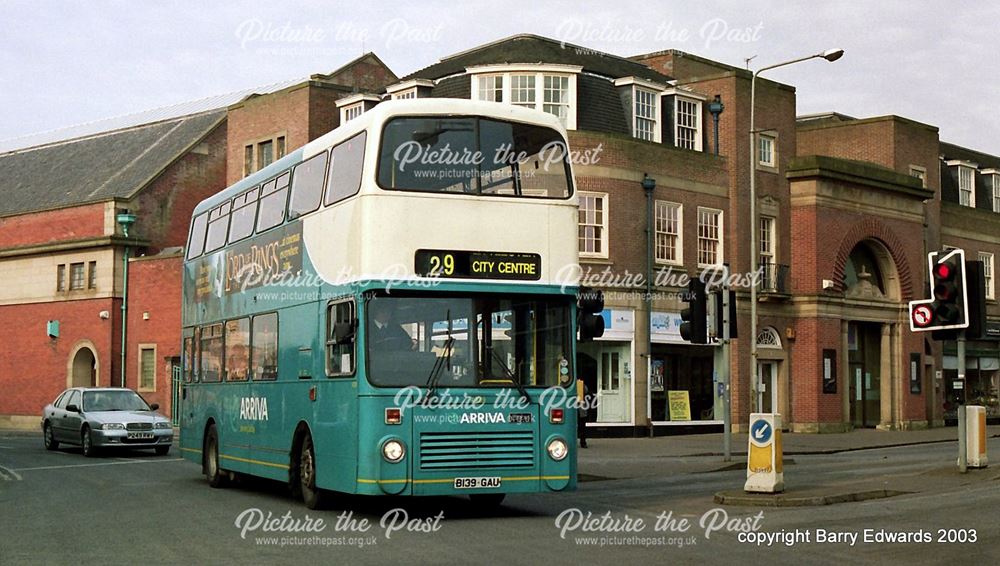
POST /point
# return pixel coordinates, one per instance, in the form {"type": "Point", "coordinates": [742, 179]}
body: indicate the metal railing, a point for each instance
{"type": "Point", "coordinates": [175, 396]}
{"type": "Point", "coordinates": [774, 279]}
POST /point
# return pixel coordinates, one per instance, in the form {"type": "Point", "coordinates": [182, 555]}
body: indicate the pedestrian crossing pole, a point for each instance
{"type": "Point", "coordinates": [962, 440]}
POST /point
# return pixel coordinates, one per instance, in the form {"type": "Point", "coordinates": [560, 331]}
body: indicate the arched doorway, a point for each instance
{"type": "Point", "coordinates": [872, 293]}
{"type": "Point", "coordinates": [83, 371]}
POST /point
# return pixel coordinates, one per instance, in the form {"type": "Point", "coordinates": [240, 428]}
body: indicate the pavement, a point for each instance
{"type": "Point", "coordinates": [622, 458]}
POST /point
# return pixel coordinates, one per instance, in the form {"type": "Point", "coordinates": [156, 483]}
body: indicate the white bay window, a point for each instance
{"type": "Point", "coordinates": [547, 88]}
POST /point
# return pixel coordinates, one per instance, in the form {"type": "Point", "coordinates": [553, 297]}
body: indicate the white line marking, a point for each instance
{"type": "Point", "coordinates": [7, 473]}
{"type": "Point", "coordinates": [98, 464]}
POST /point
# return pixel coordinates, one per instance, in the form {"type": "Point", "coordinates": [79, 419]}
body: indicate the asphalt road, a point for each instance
{"type": "Point", "coordinates": [136, 507]}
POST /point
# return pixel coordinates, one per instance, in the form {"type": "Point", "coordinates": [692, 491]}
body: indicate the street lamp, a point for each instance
{"type": "Point", "coordinates": [125, 219]}
{"type": "Point", "coordinates": [830, 55]}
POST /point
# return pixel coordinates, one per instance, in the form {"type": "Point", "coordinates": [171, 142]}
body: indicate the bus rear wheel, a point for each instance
{"type": "Point", "coordinates": [312, 496]}
{"type": "Point", "coordinates": [215, 475]}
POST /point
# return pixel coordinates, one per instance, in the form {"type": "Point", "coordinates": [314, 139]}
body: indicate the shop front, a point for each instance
{"type": "Point", "coordinates": [606, 367]}
{"type": "Point", "coordinates": [681, 385]}
{"type": "Point", "coordinates": [982, 380]}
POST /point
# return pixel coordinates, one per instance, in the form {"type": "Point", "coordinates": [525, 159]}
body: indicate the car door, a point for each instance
{"type": "Point", "coordinates": [55, 414]}
{"type": "Point", "coordinates": [71, 420]}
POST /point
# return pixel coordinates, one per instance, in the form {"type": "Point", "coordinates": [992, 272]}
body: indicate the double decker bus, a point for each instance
{"type": "Point", "coordinates": [383, 311]}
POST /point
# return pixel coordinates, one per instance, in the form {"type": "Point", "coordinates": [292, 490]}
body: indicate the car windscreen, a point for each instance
{"type": "Point", "coordinates": [113, 401]}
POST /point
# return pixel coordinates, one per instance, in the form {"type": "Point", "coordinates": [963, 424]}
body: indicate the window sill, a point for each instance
{"type": "Point", "coordinates": [596, 259]}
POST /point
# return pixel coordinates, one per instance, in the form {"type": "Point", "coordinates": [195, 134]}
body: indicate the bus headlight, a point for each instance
{"type": "Point", "coordinates": [557, 450]}
{"type": "Point", "coordinates": [393, 451]}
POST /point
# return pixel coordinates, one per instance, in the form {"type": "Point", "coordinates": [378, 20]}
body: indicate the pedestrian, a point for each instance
{"type": "Point", "coordinates": [582, 397]}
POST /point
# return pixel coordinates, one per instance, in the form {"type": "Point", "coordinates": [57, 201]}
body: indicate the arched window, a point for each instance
{"type": "Point", "coordinates": [769, 338]}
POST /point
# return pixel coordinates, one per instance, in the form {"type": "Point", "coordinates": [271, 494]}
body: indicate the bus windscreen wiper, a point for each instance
{"type": "Point", "coordinates": [510, 375]}
{"type": "Point", "coordinates": [439, 364]}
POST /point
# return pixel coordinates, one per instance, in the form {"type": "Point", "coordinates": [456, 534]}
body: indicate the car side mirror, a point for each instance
{"type": "Point", "coordinates": [154, 406]}
{"type": "Point", "coordinates": [72, 408]}
{"type": "Point", "coordinates": [343, 332]}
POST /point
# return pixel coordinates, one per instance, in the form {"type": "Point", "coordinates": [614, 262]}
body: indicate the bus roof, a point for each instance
{"type": "Point", "coordinates": [382, 113]}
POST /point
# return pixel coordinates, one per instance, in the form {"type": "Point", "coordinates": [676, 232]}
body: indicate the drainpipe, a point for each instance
{"type": "Point", "coordinates": [715, 108]}
{"type": "Point", "coordinates": [648, 185]}
{"type": "Point", "coordinates": [125, 219]}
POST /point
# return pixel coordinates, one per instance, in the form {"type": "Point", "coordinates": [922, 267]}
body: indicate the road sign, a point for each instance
{"type": "Point", "coordinates": [922, 316]}
{"type": "Point", "coordinates": [760, 432]}
{"type": "Point", "coordinates": [764, 458]}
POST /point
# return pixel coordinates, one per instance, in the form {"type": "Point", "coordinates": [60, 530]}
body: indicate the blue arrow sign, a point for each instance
{"type": "Point", "coordinates": [760, 431]}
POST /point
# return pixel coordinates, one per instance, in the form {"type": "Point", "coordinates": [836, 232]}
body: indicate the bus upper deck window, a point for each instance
{"type": "Point", "coordinates": [196, 245]}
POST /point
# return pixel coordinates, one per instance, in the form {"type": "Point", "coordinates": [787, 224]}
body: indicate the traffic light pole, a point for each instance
{"type": "Point", "coordinates": [962, 456]}
{"type": "Point", "coordinates": [727, 418]}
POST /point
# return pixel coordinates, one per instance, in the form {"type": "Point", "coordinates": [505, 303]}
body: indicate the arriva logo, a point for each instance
{"type": "Point", "coordinates": [253, 408]}
{"type": "Point", "coordinates": [482, 418]}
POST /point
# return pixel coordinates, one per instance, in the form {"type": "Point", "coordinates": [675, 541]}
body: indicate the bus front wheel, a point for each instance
{"type": "Point", "coordinates": [314, 497]}
{"type": "Point", "coordinates": [216, 476]}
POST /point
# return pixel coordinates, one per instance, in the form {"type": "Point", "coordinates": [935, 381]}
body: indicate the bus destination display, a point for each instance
{"type": "Point", "coordinates": [460, 264]}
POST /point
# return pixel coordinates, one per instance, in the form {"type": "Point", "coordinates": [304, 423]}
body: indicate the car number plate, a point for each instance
{"type": "Point", "coordinates": [140, 435]}
{"type": "Point", "coordinates": [475, 483]}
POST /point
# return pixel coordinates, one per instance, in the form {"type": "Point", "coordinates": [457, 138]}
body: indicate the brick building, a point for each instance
{"type": "Point", "coordinates": [847, 210]}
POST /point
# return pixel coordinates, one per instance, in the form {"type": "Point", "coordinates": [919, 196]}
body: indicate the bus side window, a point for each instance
{"type": "Point", "coordinates": [244, 213]}
{"type": "Point", "coordinates": [196, 244]}
{"type": "Point", "coordinates": [307, 185]}
{"type": "Point", "coordinates": [238, 349]}
{"type": "Point", "coordinates": [188, 365]}
{"type": "Point", "coordinates": [264, 347]}
{"type": "Point", "coordinates": [273, 197]}
{"type": "Point", "coordinates": [196, 355]}
{"type": "Point", "coordinates": [346, 162]}
{"type": "Point", "coordinates": [211, 353]}
{"type": "Point", "coordinates": [340, 338]}
{"type": "Point", "coordinates": [218, 227]}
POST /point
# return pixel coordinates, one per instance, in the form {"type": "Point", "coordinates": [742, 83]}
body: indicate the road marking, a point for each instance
{"type": "Point", "coordinates": [97, 464]}
{"type": "Point", "coordinates": [9, 474]}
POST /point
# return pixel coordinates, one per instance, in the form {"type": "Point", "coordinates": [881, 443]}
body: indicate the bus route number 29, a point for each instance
{"type": "Point", "coordinates": [442, 264]}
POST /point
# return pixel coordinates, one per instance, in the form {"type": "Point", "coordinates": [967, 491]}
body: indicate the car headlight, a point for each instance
{"type": "Point", "coordinates": [113, 426]}
{"type": "Point", "coordinates": [163, 424]}
{"type": "Point", "coordinates": [393, 451]}
{"type": "Point", "coordinates": [557, 449]}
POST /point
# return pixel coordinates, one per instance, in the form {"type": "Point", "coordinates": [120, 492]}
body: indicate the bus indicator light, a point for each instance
{"type": "Point", "coordinates": [393, 416]}
{"type": "Point", "coordinates": [556, 416]}
{"type": "Point", "coordinates": [312, 393]}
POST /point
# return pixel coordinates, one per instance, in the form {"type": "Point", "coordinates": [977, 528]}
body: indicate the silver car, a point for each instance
{"type": "Point", "coordinates": [97, 418]}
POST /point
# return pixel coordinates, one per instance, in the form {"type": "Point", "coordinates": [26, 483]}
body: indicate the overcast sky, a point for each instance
{"type": "Point", "coordinates": [64, 63]}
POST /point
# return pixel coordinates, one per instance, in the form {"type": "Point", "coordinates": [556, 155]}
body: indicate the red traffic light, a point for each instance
{"type": "Point", "coordinates": [943, 271]}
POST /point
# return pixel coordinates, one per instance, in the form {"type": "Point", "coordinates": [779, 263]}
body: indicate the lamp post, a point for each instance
{"type": "Point", "coordinates": [649, 185]}
{"type": "Point", "coordinates": [830, 55]}
{"type": "Point", "coordinates": [125, 220]}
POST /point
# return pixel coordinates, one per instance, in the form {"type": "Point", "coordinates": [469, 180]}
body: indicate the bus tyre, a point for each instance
{"type": "Point", "coordinates": [312, 496]}
{"type": "Point", "coordinates": [88, 448]}
{"type": "Point", "coordinates": [487, 501]}
{"type": "Point", "coordinates": [216, 477]}
{"type": "Point", "coordinates": [50, 440]}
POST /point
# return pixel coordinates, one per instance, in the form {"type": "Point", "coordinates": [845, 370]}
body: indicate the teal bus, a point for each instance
{"type": "Point", "coordinates": [390, 310]}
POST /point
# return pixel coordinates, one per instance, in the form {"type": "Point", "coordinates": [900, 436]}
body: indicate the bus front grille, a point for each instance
{"type": "Point", "coordinates": [476, 450]}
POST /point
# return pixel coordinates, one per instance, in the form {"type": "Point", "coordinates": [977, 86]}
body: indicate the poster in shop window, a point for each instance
{"type": "Point", "coordinates": [656, 376]}
{"type": "Point", "coordinates": [680, 405]}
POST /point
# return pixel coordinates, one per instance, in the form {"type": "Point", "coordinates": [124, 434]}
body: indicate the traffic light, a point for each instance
{"type": "Point", "coordinates": [589, 305]}
{"type": "Point", "coordinates": [694, 325]}
{"type": "Point", "coordinates": [719, 326]}
{"type": "Point", "coordinates": [948, 307]}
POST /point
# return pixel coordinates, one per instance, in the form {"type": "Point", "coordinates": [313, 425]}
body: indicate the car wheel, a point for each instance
{"type": "Point", "coordinates": [50, 440]}
{"type": "Point", "coordinates": [88, 447]}
{"type": "Point", "coordinates": [162, 450]}
{"type": "Point", "coordinates": [313, 497]}
{"type": "Point", "coordinates": [216, 476]}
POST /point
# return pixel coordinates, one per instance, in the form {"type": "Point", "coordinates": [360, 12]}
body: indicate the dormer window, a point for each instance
{"type": "Point", "coordinates": [549, 88]}
{"type": "Point", "coordinates": [413, 88]}
{"type": "Point", "coordinates": [646, 105]}
{"type": "Point", "coordinates": [992, 179]}
{"type": "Point", "coordinates": [687, 123]}
{"type": "Point", "coordinates": [966, 181]}
{"type": "Point", "coordinates": [355, 105]}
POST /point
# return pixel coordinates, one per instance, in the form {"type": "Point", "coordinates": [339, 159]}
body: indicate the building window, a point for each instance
{"type": "Point", "coordinates": [61, 277]}
{"type": "Point", "coordinates": [996, 191]}
{"type": "Point", "coordinates": [987, 259]}
{"type": "Point", "coordinates": [593, 225]}
{"type": "Point", "coordinates": [687, 117]}
{"type": "Point", "coordinates": [247, 160]}
{"type": "Point", "coordinates": [668, 232]}
{"type": "Point", "coordinates": [280, 147]}
{"type": "Point", "coordinates": [92, 275]}
{"type": "Point", "coordinates": [353, 111]}
{"type": "Point", "coordinates": [767, 256]}
{"type": "Point", "coordinates": [646, 125]}
{"type": "Point", "coordinates": [522, 90]}
{"type": "Point", "coordinates": [709, 236]}
{"type": "Point", "coordinates": [966, 186]}
{"type": "Point", "coordinates": [265, 154]}
{"type": "Point", "coordinates": [406, 94]}
{"type": "Point", "coordinates": [920, 173]}
{"type": "Point", "coordinates": [552, 93]}
{"type": "Point", "coordinates": [76, 276]}
{"type": "Point", "coordinates": [490, 88]}
{"type": "Point", "coordinates": [766, 147]}
{"type": "Point", "coordinates": [147, 369]}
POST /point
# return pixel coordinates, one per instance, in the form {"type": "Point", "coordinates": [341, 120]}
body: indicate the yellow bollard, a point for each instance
{"type": "Point", "coordinates": [764, 458]}
{"type": "Point", "coordinates": [975, 445]}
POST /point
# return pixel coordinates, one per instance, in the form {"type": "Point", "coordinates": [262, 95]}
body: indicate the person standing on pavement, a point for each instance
{"type": "Point", "coordinates": [582, 397]}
